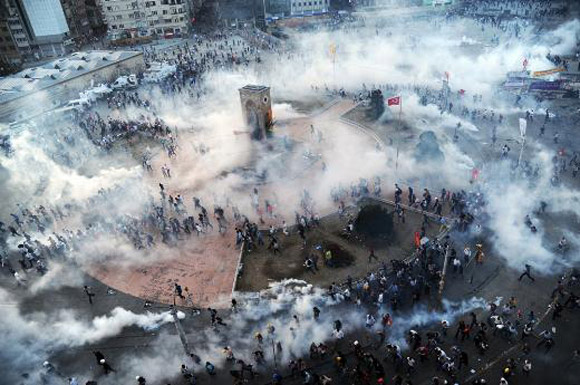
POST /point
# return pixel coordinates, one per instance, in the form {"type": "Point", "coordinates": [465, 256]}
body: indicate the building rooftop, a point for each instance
{"type": "Point", "coordinates": [34, 79]}
{"type": "Point", "coordinates": [254, 88]}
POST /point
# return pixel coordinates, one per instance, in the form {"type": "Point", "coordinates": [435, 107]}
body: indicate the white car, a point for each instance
{"type": "Point", "coordinates": [79, 104]}
{"type": "Point", "coordinates": [95, 93]}
{"type": "Point", "coordinates": [159, 71]}
{"type": "Point", "coordinates": [125, 82]}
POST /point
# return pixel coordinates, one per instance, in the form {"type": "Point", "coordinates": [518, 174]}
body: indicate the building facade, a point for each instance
{"type": "Point", "coordinates": [278, 8]}
{"type": "Point", "coordinates": [36, 29]}
{"type": "Point", "coordinates": [139, 18]}
{"type": "Point", "coordinates": [15, 45]}
{"type": "Point", "coordinates": [309, 7]}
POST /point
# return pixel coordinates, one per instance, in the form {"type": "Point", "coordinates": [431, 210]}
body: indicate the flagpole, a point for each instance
{"type": "Point", "coordinates": [400, 109]}
{"type": "Point", "coordinates": [334, 70]}
{"type": "Point", "coordinates": [522, 150]}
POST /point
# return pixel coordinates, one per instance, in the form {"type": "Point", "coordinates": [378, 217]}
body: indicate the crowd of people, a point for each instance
{"type": "Point", "coordinates": [386, 295]}
{"type": "Point", "coordinates": [492, 10]}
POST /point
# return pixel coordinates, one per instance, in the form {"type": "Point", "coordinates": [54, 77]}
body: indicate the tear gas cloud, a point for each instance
{"type": "Point", "coordinates": [37, 174]}
{"type": "Point", "coordinates": [27, 339]}
{"type": "Point", "coordinates": [276, 309]}
{"type": "Point", "coordinates": [213, 120]}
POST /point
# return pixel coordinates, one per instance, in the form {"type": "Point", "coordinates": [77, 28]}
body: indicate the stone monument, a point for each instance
{"type": "Point", "coordinates": [256, 110]}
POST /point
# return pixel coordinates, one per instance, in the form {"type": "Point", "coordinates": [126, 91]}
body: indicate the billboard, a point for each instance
{"type": "Point", "coordinates": [546, 86]}
{"type": "Point", "coordinates": [548, 72]}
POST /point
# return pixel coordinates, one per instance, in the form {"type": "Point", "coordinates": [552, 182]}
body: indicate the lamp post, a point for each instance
{"type": "Point", "coordinates": [178, 327]}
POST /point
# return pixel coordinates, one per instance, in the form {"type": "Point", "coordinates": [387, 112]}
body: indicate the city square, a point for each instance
{"type": "Point", "coordinates": [289, 192]}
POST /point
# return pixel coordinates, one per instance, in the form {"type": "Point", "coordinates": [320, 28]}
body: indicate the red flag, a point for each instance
{"type": "Point", "coordinates": [395, 101]}
{"type": "Point", "coordinates": [474, 174]}
{"type": "Point", "coordinates": [417, 239]}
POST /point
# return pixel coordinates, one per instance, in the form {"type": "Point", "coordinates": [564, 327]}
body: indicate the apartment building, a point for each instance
{"type": "Point", "coordinates": [137, 18]}
{"type": "Point", "coordinates": [309, 7]}
{"type": "Point", "coordinates": [14, 43]}
{"type": "Point", "coordinates": [31, 30]}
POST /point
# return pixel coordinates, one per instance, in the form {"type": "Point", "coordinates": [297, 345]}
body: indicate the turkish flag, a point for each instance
{"type": "Point", "coordinates": [394, 101]}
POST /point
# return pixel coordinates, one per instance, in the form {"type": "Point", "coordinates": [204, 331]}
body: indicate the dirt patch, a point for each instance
{"type": "Point", "coordinates": [350, 253]}
{"type": "Point", "coordinates": [375, 222]}
{"type": "Point", "coordinates": [276, 271]}
{"type": "Point", "coordinates": [340, 256]}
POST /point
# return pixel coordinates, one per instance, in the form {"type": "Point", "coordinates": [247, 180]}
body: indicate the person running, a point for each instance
{"type": "Point", "coordinates": [527, 273]}
{"type": "Point", "coordinates": [372, 255]}
{"type": "Point", "coordinates": [89, 293]}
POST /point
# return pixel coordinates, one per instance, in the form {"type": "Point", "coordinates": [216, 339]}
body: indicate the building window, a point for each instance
{"type": "Point", "coordinates": [165, 12]}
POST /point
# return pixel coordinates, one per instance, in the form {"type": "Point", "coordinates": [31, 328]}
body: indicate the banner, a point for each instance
{"type": "Point", "coordinates": [523, 126]}
{"type": "Point", "coordinates": [548, 72]}
{"type": "Point", "coordinates": [394, 101]}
